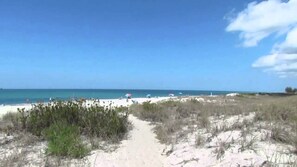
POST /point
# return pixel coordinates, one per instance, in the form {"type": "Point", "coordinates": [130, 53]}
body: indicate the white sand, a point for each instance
{"type": "Point", "coordinates": [125, 103]}
{"type": "Point", "coordinates": [104, 102]}
{"type": "Point", "coordinates": [13, 108]}
{"type": "Point", "coordinates": [141, 149]}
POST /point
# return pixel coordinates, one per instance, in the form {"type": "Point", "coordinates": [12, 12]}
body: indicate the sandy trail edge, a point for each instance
{"type": "Point", "coordinates": [140, 149]}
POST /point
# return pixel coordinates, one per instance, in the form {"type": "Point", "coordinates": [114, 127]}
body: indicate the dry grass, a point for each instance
{"type": "Point", "coordinates": [170, 117]}
{"type": "Point", "coordinates": [280, 134]}
{"type": "Point", "coordinates": [19, 146]}
{"type": "Point", "coordinates": [203, 119]}
{"type": "Point", "coordinates": [276, 116]}
{"type": "Point", "coordinates": [266, 109]}
{"type": "Point", "coordinates": [15, 159]}
{"type": "Point", "coordinates": [247, 144]}
{"type": "Point", "coordinates": [221, 149]}
{"type": "Point", "coordinates": [200, 140]}
{"type": "Point", "coordinates": [247, 115]}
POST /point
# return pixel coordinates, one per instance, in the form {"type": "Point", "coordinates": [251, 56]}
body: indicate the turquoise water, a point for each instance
{"type": "Point", "coordinates": [17, 96]}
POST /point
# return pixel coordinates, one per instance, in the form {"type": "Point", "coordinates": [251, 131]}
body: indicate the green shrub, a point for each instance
{"type": "Point", "coordinates": [64, 140]}
{"type": "Point", "coordinates": [63, 124]}
{"type": "Point", "coordinates": [92, 121]}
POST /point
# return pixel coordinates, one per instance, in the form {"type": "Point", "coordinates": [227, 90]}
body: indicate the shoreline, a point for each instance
{"type": "Point", "coordinates": [118, 102]}
{"type": "Point", "coordinates": [23, 96]}
{"type": "Point", "coordinates": [219, 130]}
{"type": "Point", "coordinates": [103, 102]}
{"type": "Point", "coordinates": [104, 99]}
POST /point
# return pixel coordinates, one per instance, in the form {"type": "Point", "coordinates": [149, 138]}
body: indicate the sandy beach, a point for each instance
{"type": "Point", "coordinates": [142, 148]}
{"type": "Point", "coordinates": [151, 83]}
{"type": "Point", "coordinates": [104, 102]}
{"type": "Point", "coordinates": [140, 143]}
{"type": "Point", "coordinates": [13, 108]}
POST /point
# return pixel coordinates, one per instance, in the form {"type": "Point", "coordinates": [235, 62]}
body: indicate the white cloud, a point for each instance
{"type": "Point", "coordinates": [284, 65]}
{"type": "Point", "coordinates": [289, 46]}
{"type": "Point", "coordinates": [260, 20]}
{"type": "Point", "coordinates": [275, 60]}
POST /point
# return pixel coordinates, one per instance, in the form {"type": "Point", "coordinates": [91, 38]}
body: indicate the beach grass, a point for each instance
{"type": "Point", "coordinates": [214, 116]}
{"type": "Point", "coordinates": [217, 124]}
{"type": "Point", "coordinates": [63, 123]}
{"type": "Point", "coordinates": [64, 140]}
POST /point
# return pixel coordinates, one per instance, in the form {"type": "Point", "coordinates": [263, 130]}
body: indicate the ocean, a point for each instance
{"type": "Point", "coordinates": [19, 96]}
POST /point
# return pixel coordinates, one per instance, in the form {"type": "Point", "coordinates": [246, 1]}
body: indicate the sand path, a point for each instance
{"type": "Point", "coordinates": [140, 149]}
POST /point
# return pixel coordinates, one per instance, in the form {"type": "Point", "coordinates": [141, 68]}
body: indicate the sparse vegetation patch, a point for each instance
{"type": "Point", "coordinates": [223, 123]}
{"type": "Point", "coordinates": [63, 124]}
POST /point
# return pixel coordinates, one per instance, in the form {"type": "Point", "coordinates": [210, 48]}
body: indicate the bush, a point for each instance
{"type": "Point", "coordinates": [64, 140]}
{"type": "Point", "coordinates": [149, 111]}
{"type": "Point", "coordinates": [92, 121]}
{"type": "Point", "coordinates": [63, 123]}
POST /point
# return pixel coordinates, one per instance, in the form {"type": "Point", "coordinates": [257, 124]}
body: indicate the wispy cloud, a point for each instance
{"type": "Point", "coordinates": [260, 20]}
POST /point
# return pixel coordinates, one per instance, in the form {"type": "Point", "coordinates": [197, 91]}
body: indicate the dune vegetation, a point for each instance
{"type": "Point", "coordinates": [222, 124]}
{"type": "Point", "coordinates": [245, 129]}
{"type": "Point", "coordinates": [70, 128]}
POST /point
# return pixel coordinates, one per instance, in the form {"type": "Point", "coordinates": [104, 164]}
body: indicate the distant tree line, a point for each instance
{"type": "Point", "coordinates": [291, 90]}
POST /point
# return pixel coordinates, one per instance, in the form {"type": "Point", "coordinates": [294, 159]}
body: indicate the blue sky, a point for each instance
{"type": "Point", "coordinates": [149, 44]}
